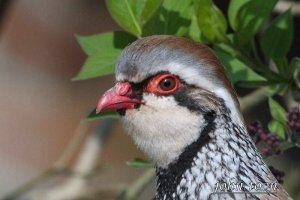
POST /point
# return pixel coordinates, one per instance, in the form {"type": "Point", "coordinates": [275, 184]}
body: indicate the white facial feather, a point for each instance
{"type": "Point", "coordinates": [162, 128]}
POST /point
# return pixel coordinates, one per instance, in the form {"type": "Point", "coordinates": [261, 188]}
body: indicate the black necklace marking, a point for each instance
{"type": "Point", "coordinates": [168, 179]}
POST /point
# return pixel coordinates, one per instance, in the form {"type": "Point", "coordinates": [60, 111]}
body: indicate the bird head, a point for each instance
{"type": "Point", "coordinates": [168, 89]}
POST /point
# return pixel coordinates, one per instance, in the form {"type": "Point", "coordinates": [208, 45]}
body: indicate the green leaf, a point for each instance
{"type": "Point", "coordinates": [233, 9]}
{"type": "Point", "coordinates": [139, 163]}
{"type": "Point", "coordinates": [251, 16]}
{"type": "Point", "coordinates": [195, 32]}
{"type": "Point", "coordinates": [277, 111]}
{"type": "Point", "coordinates": [172, 18]}
{"type": "Point", "coordinates": [295, 72]}
{"type": "Point", "coordinates": [131, 15]}
{"type": "Point", "coordinates": [227, 49]}
{"type": "Point", "coordinates": [253, 84]}
{"type": "Point", "coordinates": [285, 145]}
{"type": "Point", "coordinates": [149, 9]}
{"type": "Point", "coordinates": [211, 21]}
{"type": "Point", "coordinates": [103, 51]}
{"type": "Point", "coordinates": [99, 43]}
{"type": "Point", "coordinates": [236, 69]}
{"type": "Point", "coordinates": [102, 115]}
{"type": "Point", "coordinates": [98, 65]}
{"type": "Point", "coordinates": [279, 88]}
{"type": "Point", "coordinates": [277, 128]}
{"type": "Point", "coordinates": [123, 13]}
{"type": "Point", "coordinates": [276, 40]}
{"type": "Point", "coordinates": [295, 63]}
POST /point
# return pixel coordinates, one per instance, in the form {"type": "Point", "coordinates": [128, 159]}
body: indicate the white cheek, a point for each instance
{"type": "Point", "coordinates": [162, 128]}
{"type": "Point", "coordinates": [229, 102]}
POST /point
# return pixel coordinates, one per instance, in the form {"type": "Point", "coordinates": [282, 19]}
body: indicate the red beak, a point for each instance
{"type": "Point", "coordinates": [118, 97]}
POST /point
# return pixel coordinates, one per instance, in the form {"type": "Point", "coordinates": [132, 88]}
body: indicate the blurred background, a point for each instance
{"type": "Point", "coordinates": [41, 107]}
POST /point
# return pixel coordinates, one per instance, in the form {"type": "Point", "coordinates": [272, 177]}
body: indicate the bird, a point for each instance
{"type": "Point", "coordinates": [179, 107]}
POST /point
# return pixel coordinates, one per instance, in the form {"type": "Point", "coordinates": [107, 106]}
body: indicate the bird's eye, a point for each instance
{"type": "Point", "coordinates": [167, 84]}
{"type": "Point", "coordinates": [163, 84]}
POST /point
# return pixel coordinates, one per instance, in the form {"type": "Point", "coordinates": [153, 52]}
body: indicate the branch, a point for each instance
{"type": "Point", "coordinates": [138, 185]}
{"type": "Point", "coordinates": [73, 146]}
{"type": "Point", "coordinates": [29, 185]}
{"type": "Point", "coordinates": [253, 99]}
{"type": "Point", "coordinates": [282, 6]}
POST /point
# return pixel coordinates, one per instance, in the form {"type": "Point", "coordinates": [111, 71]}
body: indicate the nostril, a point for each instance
{"type": "Point", "coordinates": [123, 89]}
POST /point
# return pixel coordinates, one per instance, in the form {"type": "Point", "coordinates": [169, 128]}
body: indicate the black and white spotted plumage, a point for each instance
{"type": "Point", "coordinates": [195, 134]}
{"type": "Point", "coordinates": [223, 153]}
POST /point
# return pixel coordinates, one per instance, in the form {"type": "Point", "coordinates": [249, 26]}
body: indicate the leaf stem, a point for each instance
{"type": "Point", "coordinates": [247, 59]}
{"type": "Point", "coordinates": [255, 53]}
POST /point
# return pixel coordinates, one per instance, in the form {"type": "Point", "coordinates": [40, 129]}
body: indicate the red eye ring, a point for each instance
{"type": "Point", "coordinates": [164, 84]}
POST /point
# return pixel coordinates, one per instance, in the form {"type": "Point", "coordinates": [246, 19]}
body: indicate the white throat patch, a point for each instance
{"type": "Point", "coordinates": [162, 128]}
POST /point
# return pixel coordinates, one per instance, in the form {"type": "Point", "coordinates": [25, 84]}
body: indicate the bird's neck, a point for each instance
{"type": "Point", "coordinates": [224, 153]}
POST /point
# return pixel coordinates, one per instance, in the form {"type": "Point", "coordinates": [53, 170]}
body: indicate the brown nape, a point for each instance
{"type": "Point", "coordinates": [199, 51]}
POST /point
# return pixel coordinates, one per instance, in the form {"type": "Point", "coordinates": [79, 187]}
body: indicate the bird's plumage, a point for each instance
{"type": "Point", "coordinates": [190, 125]}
